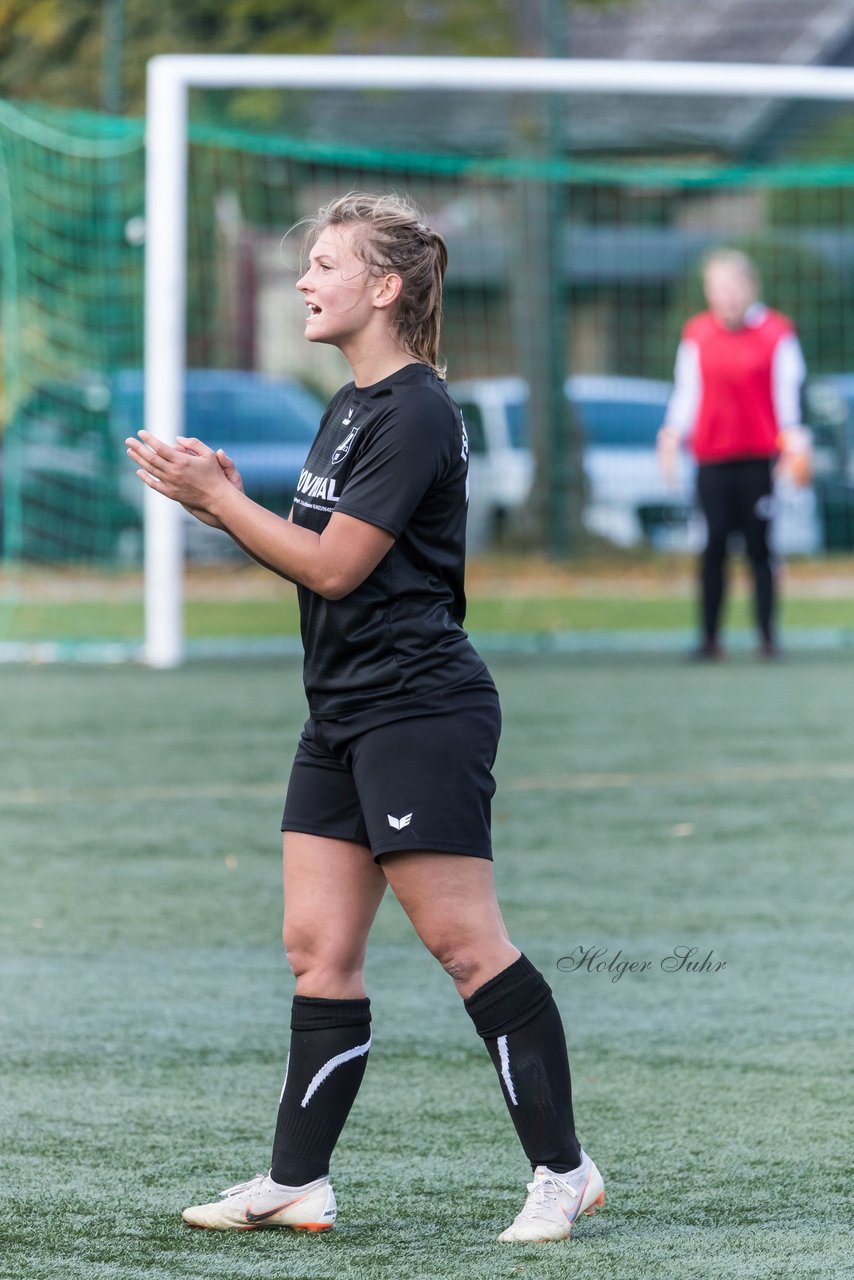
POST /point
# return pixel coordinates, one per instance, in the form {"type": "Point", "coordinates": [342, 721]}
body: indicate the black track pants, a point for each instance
{"type": "Point", "coordinates": [736, 497]}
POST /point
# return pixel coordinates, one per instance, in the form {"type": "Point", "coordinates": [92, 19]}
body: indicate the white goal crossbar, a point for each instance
{"type": "Point", "coordinates": [169, 79]}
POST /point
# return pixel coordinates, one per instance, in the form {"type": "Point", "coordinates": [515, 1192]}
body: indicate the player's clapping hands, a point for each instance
{"type": "Point", "coordinates": [189, 472]}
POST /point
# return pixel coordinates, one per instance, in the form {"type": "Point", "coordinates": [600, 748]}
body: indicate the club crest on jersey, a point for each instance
{"type": "Point", "coordinates": [346, 444]}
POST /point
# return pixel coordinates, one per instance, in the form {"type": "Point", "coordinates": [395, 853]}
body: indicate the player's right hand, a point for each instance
{"type": "Point", "coordinates": [186, 444]}
{"type": "Point", "coordinates": [230, 470]}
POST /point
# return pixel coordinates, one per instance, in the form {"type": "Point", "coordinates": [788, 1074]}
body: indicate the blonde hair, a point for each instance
{"type": "Point", "coordinates": [731, 258]}
{"type": "Point", "coordinates": [394, 238]}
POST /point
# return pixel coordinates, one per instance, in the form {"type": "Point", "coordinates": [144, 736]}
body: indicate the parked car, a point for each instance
{"type": "Point", "coordinates": [828, 403]}
{"type": "Point", "coordinates": [628, 500]}
{"type": "Point", "coordinates": [828, 410]}
{"type": "Point", "coordinates": [265, 424]}
{"type": "Point", "coordinates": [71, 493]}
{"type": "Point", "coordinates": [627, 496]}
{"type": "Point", "coordinates": [501, 461]}
{"type": "Point", "coordinates": [61, 494]}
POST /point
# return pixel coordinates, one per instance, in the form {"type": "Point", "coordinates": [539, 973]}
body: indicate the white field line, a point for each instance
{"type": "Point", "coordinates": [749, 775]}
{"type": "Point", "coordinates": [21, 796]}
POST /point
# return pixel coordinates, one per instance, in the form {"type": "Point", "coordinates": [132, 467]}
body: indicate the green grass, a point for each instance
{"type": "Point", "coordinates": [642, 804]}
{"type": "Point", "coordinates": [123, 620]}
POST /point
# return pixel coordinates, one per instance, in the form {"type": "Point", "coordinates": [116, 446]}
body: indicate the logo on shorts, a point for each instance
{"type": "Point", "coordinates": [399, 823]}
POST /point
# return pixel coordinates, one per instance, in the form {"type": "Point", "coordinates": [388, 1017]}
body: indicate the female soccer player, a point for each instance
{"type": "Point", "coordinates": [392, 783]}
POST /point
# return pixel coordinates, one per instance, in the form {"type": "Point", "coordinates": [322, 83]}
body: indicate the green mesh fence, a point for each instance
{"type": "Point", "coordinates": [573, 253]}
{"type": "Point", "coordinates": [70, 188]}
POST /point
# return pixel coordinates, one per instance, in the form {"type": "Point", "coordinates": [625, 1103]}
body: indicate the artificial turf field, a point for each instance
{"type": "Point", "coordinates": [644, 804]}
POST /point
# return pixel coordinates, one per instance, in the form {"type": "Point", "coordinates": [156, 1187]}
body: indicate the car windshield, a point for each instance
{"type": "Point", "coordinates": [253, 414]}
{"type": "Point", "coordinates": [517, 424]}
{"type": "Point", "coordinates": [225, 408]}
{"type": "Point", "coordinates": [620, 423]}
{"type": "Point", "coordinates": [848, 398]}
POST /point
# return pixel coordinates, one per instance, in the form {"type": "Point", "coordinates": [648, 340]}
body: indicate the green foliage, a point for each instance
{"type": "Point", "coordinates": [825, 205]}
{"type": "Point", "coordinates": [53, 49]}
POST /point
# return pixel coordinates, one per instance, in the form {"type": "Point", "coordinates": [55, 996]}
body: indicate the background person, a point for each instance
{"type": "Point", "coordinates": [736, 399]}
{"type": "Point", "coordinates": [392, 782]}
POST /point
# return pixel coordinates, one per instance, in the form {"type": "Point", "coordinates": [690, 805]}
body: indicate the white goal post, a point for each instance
{"type": "Point", "coordinates": [169, 79]}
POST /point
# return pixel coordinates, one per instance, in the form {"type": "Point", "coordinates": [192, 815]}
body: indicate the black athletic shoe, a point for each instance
{"type": "Point", "coordinates": [708, 651]}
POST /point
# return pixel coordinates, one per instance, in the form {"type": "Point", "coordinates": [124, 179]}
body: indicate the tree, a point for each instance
{"type": "Point", "coordinates": [52, 50]}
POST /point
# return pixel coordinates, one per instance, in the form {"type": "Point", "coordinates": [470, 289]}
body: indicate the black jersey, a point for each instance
{"type": "Point", "coordinates": [394, 454]}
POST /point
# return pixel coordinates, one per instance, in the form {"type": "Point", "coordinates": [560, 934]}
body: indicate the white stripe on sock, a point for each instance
{"type": "Point", "coordinates": [329, 1067]}
{"type": "Point", "coordinates": [285, 1081]}
{"type": "Point", "coordinates": [505, 1069]}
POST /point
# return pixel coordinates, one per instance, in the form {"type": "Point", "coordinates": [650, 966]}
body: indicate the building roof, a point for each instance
{"type": "Point", "coordinates": [609, 255]}
{"type": "Point", "coordinates": [763, 31]}
{"type": "Point", "coordinates": [770, 31]}
{"type": "Point", "coordinates": [776, 32]}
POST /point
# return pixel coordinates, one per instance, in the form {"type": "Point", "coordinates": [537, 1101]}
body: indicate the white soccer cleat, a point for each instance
{"type": "Point", "coordinates": [261, 1202]}
{"type": "Point", "coordinates": [555, 1201]}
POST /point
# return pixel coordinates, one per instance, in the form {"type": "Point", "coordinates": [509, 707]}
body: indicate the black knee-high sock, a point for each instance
{"type": "Point", "coordinates": [518, 1020]}
{"type": "Point", "coordinates": [330, 1040]}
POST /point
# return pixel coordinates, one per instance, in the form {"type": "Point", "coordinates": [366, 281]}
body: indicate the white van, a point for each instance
{"type": "Point", "coordinates": [619, 418]}
{"type": "Point", "coordinates": [501, 461]}
{"type": "Point", "coordinates": [628, 499]}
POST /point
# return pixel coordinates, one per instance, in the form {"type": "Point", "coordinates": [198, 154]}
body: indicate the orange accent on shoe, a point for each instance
{"type": "Point", "coordinates": [313, 1226]}
{"type": "Point", "coordinates": [598, 1203]}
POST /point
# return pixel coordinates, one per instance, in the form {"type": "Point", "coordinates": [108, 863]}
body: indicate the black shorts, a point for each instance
{"type": "Point", "coordinates": [414, 774]}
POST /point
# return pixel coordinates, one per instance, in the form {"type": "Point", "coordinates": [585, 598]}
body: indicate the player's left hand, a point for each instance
{"type": "Point", "coordinates": [795, 462]}
{"type": "Point", "coordinates": [189, 472]}
{"type": "Point", "coordinates": [667, 449]}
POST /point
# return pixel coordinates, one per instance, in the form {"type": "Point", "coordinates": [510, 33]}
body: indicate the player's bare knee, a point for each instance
{"type": "Point", "coordinates": [458, 962]}
{"type": "Point", "coordinates": [308, 959]}
{"type": "Point", "coordinates": [301, 951]}
{"type": "Point", "coordinates": [298, 962]}
{"type": "Point", "coordinates": [461, 972]}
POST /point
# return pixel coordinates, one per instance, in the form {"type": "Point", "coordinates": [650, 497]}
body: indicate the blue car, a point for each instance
{"type": "Point", "coordinates": [74, 495]}
{"type": "Point", "coordinates": [264, 424]}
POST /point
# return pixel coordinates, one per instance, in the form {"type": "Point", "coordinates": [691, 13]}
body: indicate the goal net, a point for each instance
{"type": "Point", "coordinates": [577, 201]}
